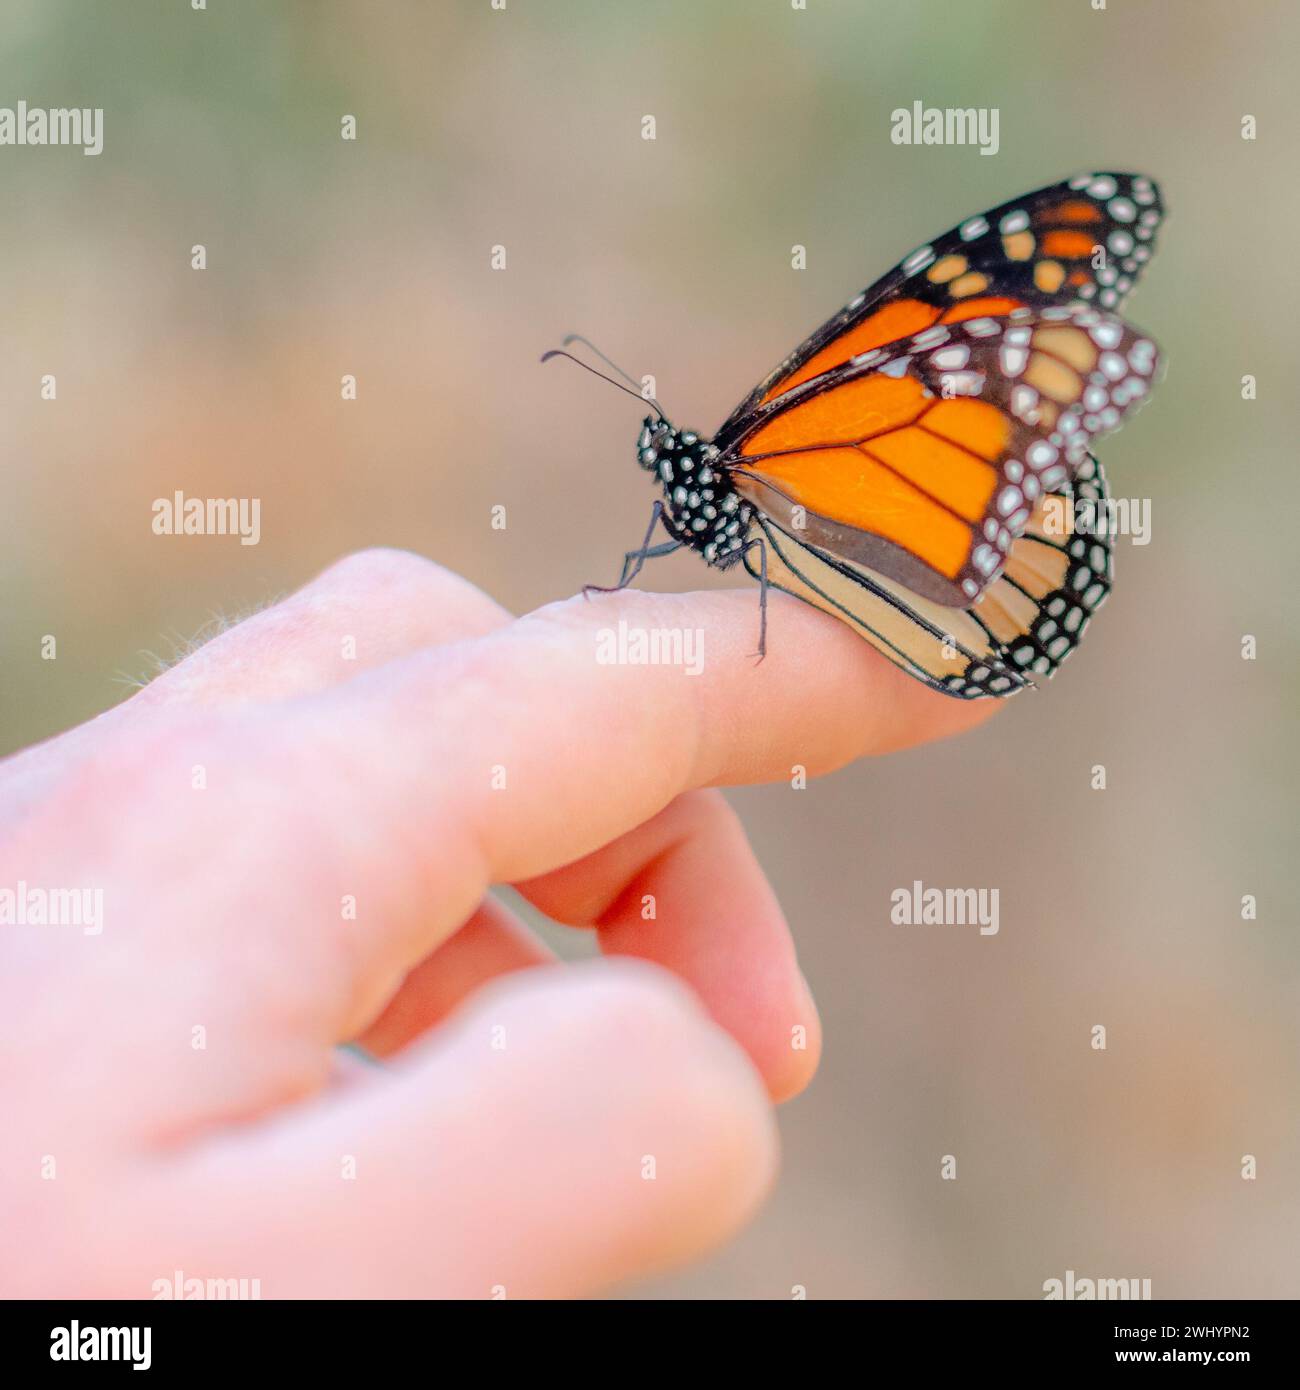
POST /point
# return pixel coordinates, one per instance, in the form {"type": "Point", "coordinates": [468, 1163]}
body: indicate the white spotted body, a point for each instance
{"type": "Point", "coordinates": [701, 508]}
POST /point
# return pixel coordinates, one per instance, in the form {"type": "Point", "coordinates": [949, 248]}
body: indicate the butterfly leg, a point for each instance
{"type": "Point", "coordinates": [758, 543]}
{"type": "Point", "coordinates": [634, 559]}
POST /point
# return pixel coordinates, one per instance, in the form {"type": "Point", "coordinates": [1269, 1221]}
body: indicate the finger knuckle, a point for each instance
{"type": "Point", "coordinates": [380, 566]}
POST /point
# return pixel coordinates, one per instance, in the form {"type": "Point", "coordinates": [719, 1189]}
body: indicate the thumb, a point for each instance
{"type": "Point", "coordinates": [573, 1126]}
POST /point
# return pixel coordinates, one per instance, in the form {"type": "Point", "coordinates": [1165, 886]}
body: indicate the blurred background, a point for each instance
{"type": "Point", "coordinates": [521, 128]}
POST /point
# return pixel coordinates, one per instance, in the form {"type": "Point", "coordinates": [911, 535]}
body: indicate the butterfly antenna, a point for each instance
{"type": "Point", "coordinates": [587, 343]}
{"type": "Point", "coordinates": [586, 367]}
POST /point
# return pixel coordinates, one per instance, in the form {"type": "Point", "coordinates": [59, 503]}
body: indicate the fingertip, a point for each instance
{"type": "Point", "coordinates": [926, 716]}
{"type": "Point", "coordinates": [790, 1069]}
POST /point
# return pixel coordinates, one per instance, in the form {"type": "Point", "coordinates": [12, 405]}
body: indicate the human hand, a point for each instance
{"type": "Point", "coordinates": [295, 844]}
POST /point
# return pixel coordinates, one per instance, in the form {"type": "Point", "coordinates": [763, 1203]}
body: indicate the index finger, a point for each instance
{"type": "Point", "coordinates": [551, 749]}
{"type": "Point", "coordinates": [505, 757]}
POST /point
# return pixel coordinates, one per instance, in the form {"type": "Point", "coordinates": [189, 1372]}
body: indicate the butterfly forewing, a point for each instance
{"type": "Point", "coordinates": [925, 460]}
{"type": "Point", "coordinates": [1087, 238]}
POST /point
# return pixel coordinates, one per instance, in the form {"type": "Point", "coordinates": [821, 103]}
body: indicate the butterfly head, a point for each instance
{"type": "Point", "coordinates": [668, 452]}
{"type": "Point", "coordinates": [656, 439]}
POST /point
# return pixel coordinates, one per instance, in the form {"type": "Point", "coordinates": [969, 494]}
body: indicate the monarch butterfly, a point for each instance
{"type": "Point", "coordinates": [917, 467]}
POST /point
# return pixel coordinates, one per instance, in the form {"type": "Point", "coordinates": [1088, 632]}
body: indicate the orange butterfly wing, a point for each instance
{"type": "Point", "coordinates": [1028, 622]}
{"type": "Point", "coordinates": [1037, 250]}
{"type": "Point", "coordinates": [924, 460]}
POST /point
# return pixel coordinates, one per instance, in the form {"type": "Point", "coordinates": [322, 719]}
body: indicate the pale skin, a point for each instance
{"type": "Point", "coordinates": [502, 1147]}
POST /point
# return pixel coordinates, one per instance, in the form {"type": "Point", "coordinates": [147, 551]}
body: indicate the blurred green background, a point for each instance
{"type": "Point", "coordinates": [522, 128]}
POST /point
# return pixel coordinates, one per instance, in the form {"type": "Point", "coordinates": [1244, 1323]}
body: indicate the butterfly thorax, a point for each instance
{"type": "Point", "coordinates": [701, 507]}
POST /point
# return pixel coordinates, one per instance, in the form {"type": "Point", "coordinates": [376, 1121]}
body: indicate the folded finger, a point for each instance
{"type": "Point", "coordinates": [685, 891]}
{"type": "Point", "coordinates": [492, 943]}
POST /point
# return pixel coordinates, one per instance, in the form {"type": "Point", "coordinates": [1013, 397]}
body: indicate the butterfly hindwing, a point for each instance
{"type": "Point", "coordinates": [1026, 624]}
